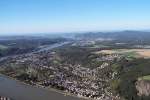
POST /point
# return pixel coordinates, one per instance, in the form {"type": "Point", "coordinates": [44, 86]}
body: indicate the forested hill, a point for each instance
{"type": "Point", "coordinates": [141, 36]}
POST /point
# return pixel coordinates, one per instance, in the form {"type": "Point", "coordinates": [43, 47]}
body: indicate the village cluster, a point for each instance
{"type": "Point", "coordinates": [72, 79]}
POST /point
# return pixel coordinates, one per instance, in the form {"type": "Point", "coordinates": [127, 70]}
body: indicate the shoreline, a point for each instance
{"type": "Point", "coordinates": [46, 88]}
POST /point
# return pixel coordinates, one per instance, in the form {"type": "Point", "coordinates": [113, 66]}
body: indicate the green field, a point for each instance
{"type": "Point", "coordinates": [144, 78]}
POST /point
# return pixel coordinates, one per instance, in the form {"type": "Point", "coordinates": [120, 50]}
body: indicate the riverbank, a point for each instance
{"type": "Point", "coordinates": [63, 93]}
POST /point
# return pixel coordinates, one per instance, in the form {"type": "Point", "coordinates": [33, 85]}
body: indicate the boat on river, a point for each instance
{"type": "Point", "coordinates": [4, 98]}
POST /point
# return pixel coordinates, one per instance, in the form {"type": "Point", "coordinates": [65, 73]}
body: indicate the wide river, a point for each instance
{"type": "Point", "coordinates": [19, 91]}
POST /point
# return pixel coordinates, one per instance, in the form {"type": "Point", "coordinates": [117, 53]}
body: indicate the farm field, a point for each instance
{"type": "Point", "coordinates": [138, 53]}
{"type": "Point", "coordinates": [147, 77]}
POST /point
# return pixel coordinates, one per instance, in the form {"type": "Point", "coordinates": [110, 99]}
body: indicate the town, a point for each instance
{"type": "Point", "coordinates": [47, 69]}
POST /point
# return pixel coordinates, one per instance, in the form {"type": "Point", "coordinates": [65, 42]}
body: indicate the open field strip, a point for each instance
{"type": "Point", "coordinates": [137, 52]}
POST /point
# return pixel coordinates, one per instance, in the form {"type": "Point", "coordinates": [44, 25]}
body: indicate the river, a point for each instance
{"type": "Point", "coordinates": [19, 91]}
{"type": "Point", "coordinates": [46, 48]}
{"type": "Point", "coordinates": [50, 47]}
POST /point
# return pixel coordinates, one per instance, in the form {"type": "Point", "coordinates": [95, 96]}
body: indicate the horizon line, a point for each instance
{"type": "Point", "coordinates": [63, 33]}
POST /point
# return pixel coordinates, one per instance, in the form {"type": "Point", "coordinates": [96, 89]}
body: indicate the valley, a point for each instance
{"type": "Point", "coordinates": [93, 68]}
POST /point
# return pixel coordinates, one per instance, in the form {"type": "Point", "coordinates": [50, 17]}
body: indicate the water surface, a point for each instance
{"type": "Point", "coordinates": [19, 91]}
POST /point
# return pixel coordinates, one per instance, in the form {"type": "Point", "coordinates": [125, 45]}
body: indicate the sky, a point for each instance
{"type": "Point", "coordinates": [49, 16]}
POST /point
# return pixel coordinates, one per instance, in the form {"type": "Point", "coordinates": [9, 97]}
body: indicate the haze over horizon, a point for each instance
{"type": "Point", "coordinates": [52, 16]}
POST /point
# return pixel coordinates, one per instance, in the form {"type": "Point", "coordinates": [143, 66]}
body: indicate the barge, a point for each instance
{"type": "Point", "coordinates": [4, 98]}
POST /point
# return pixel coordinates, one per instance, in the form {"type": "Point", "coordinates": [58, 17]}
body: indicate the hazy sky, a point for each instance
{"type": "Point", "coordinates": [31, 16]}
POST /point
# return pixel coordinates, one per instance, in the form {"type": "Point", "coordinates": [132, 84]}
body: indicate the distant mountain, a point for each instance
{"type": "Point", "coordinates": [120, 35]}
